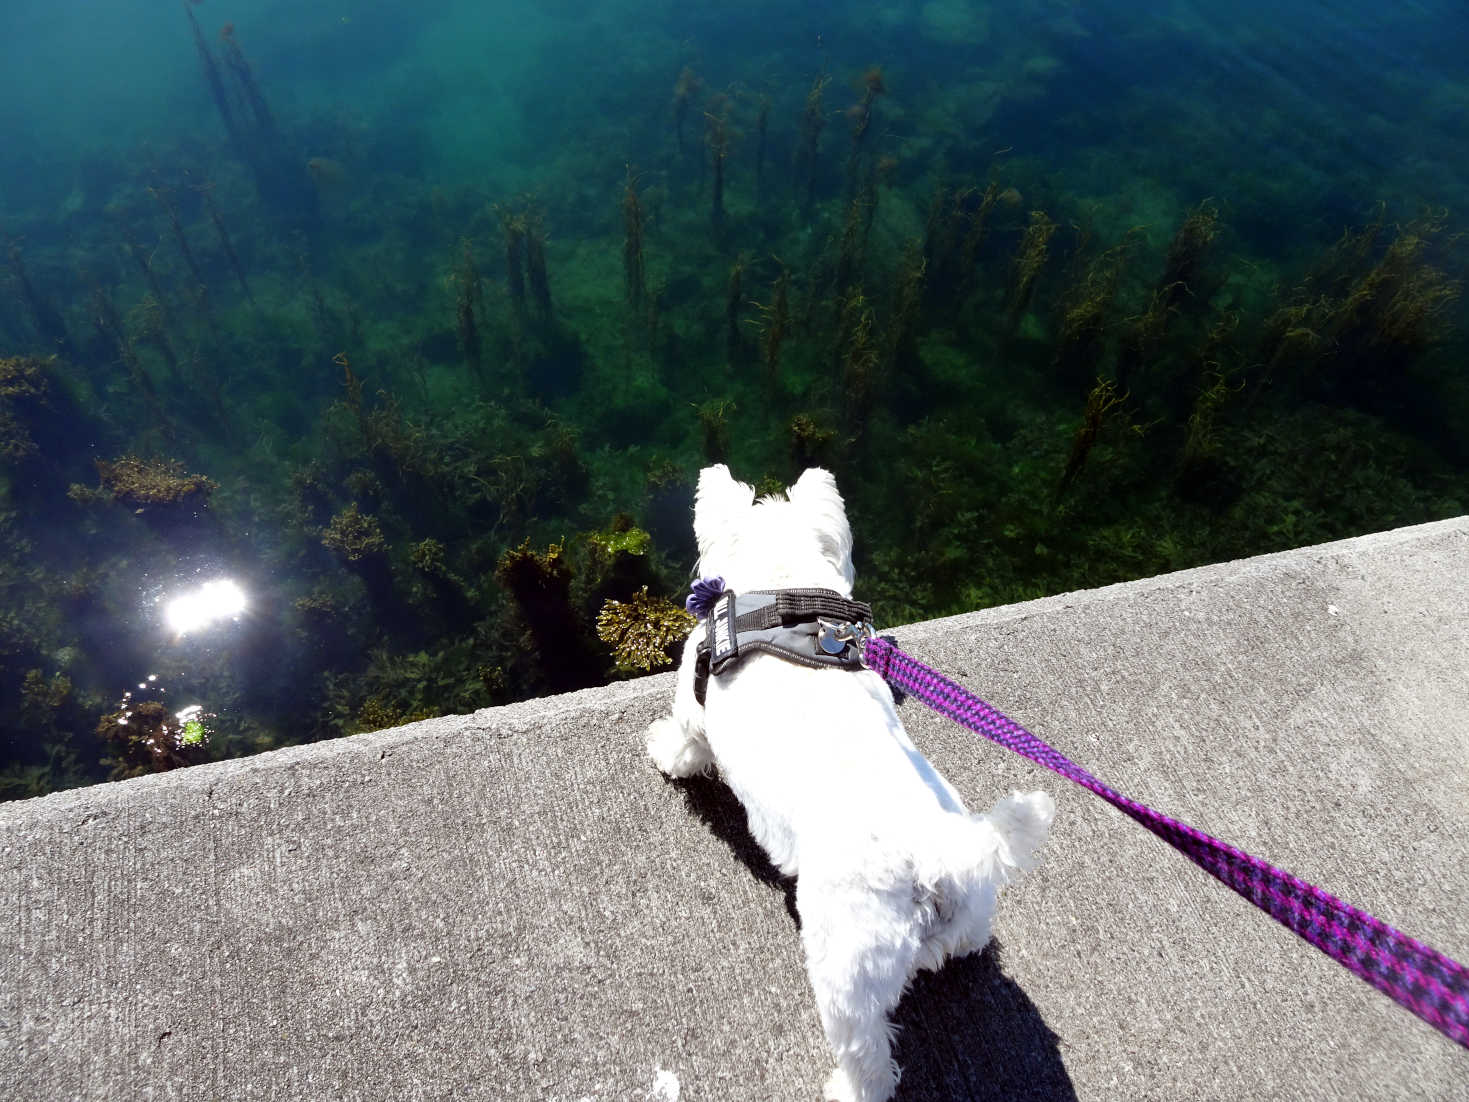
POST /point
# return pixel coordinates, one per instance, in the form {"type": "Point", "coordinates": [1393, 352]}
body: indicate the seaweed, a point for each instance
{"type": "Point", "coordinates": [1185, 277]}
{"type": "Point", "coordinates": [1030, 261]}
{"type": "Point", "coordinates": [642, 631]}
{"type": "Point", "coordinates": [47, 319]}
{"type": "Point", "coordinates": [151, 487]}
{"type": "Point", "coordinates": [1087, 306]}
{"type": "Point", "coordinates": [143, 734]}
{"type": "Point", "coordinates": [717, 137]}
{"type": "Point", "coordinates": [734, 303]}
{"type": "Point", "coordinates": [450, 481]}
{"type": "Point", "coordinates": [808, 147]}
{"type": "Point", "coordinates": [1101, 400]}
{"type": "Point", "coordinates": [468, 305]}
{"type": "Point", "coordinates": [540, 584]}
{"type": "Point", "coordinates": [860, 114]}
{"type": "Point", "coordinates": [773, 325]}
{"type": "Point", "coordinates": [633, 269]}
{"type": "Point", "coordinates": [685, 90]}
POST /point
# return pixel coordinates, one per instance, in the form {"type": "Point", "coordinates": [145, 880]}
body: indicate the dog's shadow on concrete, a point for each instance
{"type": "Point", "coordinates": [967, 1033]}
{"type": "Point", "coordinates": [970, 1032]}
{"type": "Point", "coordinates": [713, 804]}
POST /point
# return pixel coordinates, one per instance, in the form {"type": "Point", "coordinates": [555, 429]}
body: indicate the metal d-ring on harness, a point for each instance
{"type": "Point", "coordinates": [822, 628]}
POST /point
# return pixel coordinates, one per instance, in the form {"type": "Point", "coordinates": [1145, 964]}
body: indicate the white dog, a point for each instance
{"type": "Point", "coordinates": [893, 874]}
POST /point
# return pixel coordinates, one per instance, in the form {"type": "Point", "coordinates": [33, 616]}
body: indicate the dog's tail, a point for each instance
{"type": "Point", "coordinates": [960, 871]}
{"type": "Point", "coordinates": [1023, 820]}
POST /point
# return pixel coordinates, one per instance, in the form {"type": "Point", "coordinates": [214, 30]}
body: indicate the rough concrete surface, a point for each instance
{"type": "Point", "coordinates": [515, 905]}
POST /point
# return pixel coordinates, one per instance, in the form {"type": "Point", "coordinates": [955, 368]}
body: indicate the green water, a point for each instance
{"type": "Point", "coordinates": [417, 324]}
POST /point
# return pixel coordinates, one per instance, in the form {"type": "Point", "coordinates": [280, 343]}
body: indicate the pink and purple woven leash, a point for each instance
{"type": "Point", "coordinates": [1415, 975]}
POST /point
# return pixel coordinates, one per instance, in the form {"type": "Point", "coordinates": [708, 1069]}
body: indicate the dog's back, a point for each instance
{"type": "Point", "coordinates": [816, 752]}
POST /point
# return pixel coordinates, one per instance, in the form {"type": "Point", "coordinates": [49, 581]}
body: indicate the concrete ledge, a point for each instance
{"type": "Point", "coordinates": [514, 905]}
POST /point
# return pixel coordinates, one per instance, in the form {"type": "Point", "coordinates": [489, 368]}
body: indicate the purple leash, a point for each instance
{"type": "Point", "coordinates": [1414, 975]}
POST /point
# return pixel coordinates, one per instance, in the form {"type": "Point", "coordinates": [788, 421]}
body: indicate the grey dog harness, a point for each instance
{"type": "Point", "coordinates": [810, 627]}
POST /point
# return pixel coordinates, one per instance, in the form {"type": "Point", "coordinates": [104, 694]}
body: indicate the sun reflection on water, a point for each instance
{"type": "Point", "coordinates": [221, 599]}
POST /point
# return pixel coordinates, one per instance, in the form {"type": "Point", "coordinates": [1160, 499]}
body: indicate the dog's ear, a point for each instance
{"type": "Point", "coordinates": [719, 504]}
{"type": "Point", "coordinates": [815, 494]}
{"type": "Point", "coordinates": [815, 481]}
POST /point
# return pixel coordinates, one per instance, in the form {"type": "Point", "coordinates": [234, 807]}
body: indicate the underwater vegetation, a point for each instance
{"type": "Point", "coordinates": [642, 630]}
{"type": "Point", "coordinates": [447, 436]}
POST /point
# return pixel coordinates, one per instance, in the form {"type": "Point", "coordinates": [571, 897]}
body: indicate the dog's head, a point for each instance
{"type": "Point", "coordinates": [800, 539]}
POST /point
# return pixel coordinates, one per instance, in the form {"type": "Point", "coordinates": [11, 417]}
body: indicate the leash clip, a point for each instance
{"type": "Point", "coordinates": [835, 636]}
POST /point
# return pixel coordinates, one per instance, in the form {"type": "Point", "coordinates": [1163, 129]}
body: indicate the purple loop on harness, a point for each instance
{"type": "Point", "coordinates": [1414, 975]}
{"type": "Point", "coordinates": [705, 592]}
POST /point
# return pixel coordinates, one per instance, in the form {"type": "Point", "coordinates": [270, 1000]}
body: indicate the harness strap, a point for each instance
{"type": "Point", "coordinates": [787, 623]}
{"type": "Point", "coordinates": [798, 605]}
{"type": "Point", "coordinates": [1412, 974]}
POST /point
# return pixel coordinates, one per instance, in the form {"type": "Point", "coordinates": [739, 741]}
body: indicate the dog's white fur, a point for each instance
{"type": "Point", "coordinates": [893, 874]}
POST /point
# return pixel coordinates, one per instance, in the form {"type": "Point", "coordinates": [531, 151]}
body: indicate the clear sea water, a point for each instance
{"type": "Point", "coordinates": [416, 323]}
